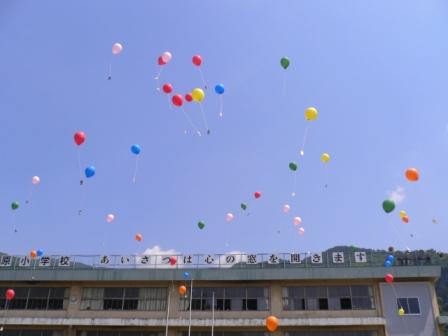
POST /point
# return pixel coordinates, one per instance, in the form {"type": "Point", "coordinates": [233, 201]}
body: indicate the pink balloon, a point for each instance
{"type": "Point", "coordinates": [286, 208]}
{"type": "Point", "coordinates": [166, 56]}
{"type": "Point", "coordinates": [301, 231]}
{"type": "Point", "coordinates": [35, 180]}
{"type": "Point", "coordinates": [297, 221]}
{"type": "Point", "coordinates": [117, 48]}
{"type": "Point", "coordinates": [110, 218]}
{"type": "Point", "coordinates": [230, 217]}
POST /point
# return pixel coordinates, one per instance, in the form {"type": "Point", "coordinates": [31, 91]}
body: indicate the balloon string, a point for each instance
{"type": "Point", "coordinates": [4, 316]}
{"type": "Point", "coordinates": [81, 182]}
{"type": "Point", "coordinates": [399, 237]}
{"type": "Point", "coordinates": [221, 106]}
{"type": "Point", "coordinates": [14, 222]}
{"type": "Point", "coordinates": [190, 122]}
{"type": "Point", "coordinates": [284, 85]}
{"type": "Point", "coordinates": [134, 178]}
{"type": "Point", "coordinates": [204, 118]}
{"type": "Point", "coordinates": [293, 194]}
{"type": "Point", "coordinates": [401, 307]}
{"type": "Point", "coordinates": [202, 78]}
{"type": "Point", "coordinates": [157, 78]}
{"type": "Point", "coordinates": [326, 175]}
{"type": "Point", "coordinates": [28, 199]}
{"type": "Point", "coordinates": [302, 150]}
{"type": "Point", "coordinates": [109, 77]}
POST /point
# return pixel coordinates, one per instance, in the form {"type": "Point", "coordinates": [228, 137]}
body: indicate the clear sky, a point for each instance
{"type": "Point", "coordinates": [375, 70]}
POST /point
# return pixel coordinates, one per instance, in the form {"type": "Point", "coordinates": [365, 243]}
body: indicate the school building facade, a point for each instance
{"type": "Point", "coordinates": [232, 295]}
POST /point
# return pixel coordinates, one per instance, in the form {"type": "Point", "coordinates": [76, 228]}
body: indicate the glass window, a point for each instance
{"type": "Point", "coordinates": [411, 306]}
{"type": "Point", "coordinates": [129, 298]}
{"type": "Point", "coordinates": [229, 298]}
{"type": "Point", "coordinates": [330, 297]}
{"type": "Point", "coordinates": [38, 298]}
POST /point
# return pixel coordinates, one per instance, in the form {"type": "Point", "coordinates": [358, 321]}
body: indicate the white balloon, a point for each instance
{"type": "Point", "coordinates": [117, 48]}
{"type": "Point", "coordinates": [301, 231]}
{"type": "Point", "coordinates": [35, 180]}
{"type": "Point", "coordinates": [230, 217]}
{"type": "Point", "coordinates": [166, 56]}
{"type": "Point", "coordinates": [110, 218]}
{"type": "Point", "coordinates": [297, 221]}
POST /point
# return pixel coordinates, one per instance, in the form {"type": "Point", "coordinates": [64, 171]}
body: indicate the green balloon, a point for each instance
{"type": "Point", "coordinates": [284, 62]}
{"type": "Point", "coordinates": [243, 206]}
{"type": "Point", "coordinates": [201, 225]}
{"type": "Point", "coordinates": [388, 206]}
{"type": "Point", "coordinates": [14, 205]}
{"type": "Point", "coordinates": [293, 166]}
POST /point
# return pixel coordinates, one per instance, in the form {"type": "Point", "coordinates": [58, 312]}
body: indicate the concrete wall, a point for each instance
{"type": "Point", "coordinates": [409, 325]}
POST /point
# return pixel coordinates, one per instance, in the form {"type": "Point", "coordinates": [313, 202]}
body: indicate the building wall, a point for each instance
{"type": "Point", "coordinates": [409, 325]}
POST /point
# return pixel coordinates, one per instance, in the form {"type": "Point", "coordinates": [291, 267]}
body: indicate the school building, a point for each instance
{"type": "Point", "coordinates": [311, 294]}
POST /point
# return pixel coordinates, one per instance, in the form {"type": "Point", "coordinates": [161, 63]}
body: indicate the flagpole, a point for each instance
{"type": "Point", "coordinates": [168, 310]}
{"type": "Point", "coordinates": [213, 312]}
{"type": "Point", "coordinates": [191, 300]}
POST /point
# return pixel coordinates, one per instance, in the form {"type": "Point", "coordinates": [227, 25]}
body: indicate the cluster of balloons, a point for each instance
{"type": "Point", "coordinates": [196, 95]}
{"type": "Point", "coordinates": [404, 216]}
{"type": "Point", "coordinates": [389, 261]}
{"type": "Point", "coordinates": [80, 138]}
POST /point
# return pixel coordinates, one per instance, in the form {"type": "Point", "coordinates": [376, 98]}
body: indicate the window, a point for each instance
{"type": "Point", "coordinates": [231, 298]}
{"type": "Point", "coordinates": [35, 298]}
{"type": "Point", "coordinates": [119, 298]}
{"type": "Point", "coordinates": [332, 333]}
{"type": "Point", "coordinates": [411, 306]}
{"type": "Point", "coordinates": [31, 332]}
{"type": "Point", "coordinates": [117, 333]}
{"type": "Point", "coordinates": [328, 298]}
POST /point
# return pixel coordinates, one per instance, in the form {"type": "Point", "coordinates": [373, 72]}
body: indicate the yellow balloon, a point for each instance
{"type": "Point", "coordinates": [401, 311]}
{"type": "Point", "coordinates": [311, 114]}
{"type": "Point", "coordinates": [325, 157]}
{"type": "Point", "coordinates": [198, 95]}
{"type": "Point", "coordinates": [402, 213]}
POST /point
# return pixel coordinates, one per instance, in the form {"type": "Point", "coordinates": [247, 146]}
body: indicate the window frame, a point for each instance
{"type": "Point", "coordinates": [407, 303]}
{"type": "Point", "coordinates": [240, 302]}
{"type": "Point", "coordinates": [314, 296]}
{"type": "Point", "coordinates": [141, 302]}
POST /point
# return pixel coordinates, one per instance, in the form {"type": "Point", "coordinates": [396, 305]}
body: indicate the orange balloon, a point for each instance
{"type": "Point", "coordinates": [138, 237]}
{"type": "Point", "coordinates": [182, 290]}
{"type": "Point", "coordinates": [271, 323]}
{"type": "Point", "coordinates": [412, 174]}
{"type": "Point", "coordinates": [405, 219]}
{"type": "Point", "coordinates": [33, 254]}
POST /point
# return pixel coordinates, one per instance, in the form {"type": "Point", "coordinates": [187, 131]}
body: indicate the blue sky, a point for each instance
{"type": "Point", "coordinates": [376, 71]}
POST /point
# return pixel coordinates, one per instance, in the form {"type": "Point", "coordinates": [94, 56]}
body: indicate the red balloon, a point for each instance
{"type": "Point", "coordinates": [197, 60]}
{"type": "Point", "coordinates": [173, 261]}
{"type": "Point", "coordinates": [80, 137]}
{"type": "Point", "coordinates": [160, 61]}
{"type": "Point", "coordinates": [188, 97]}
{"type": "Point", "coordinates": [389, 278]}
{"type": "Point", "coordinates": [257, 194]}
{"type": "Point", "coordinates": [177, 100]}
{"type": "Point", "coordinates": [167, 88]}
{"type": "Point", "coordinates": [10, 294]}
